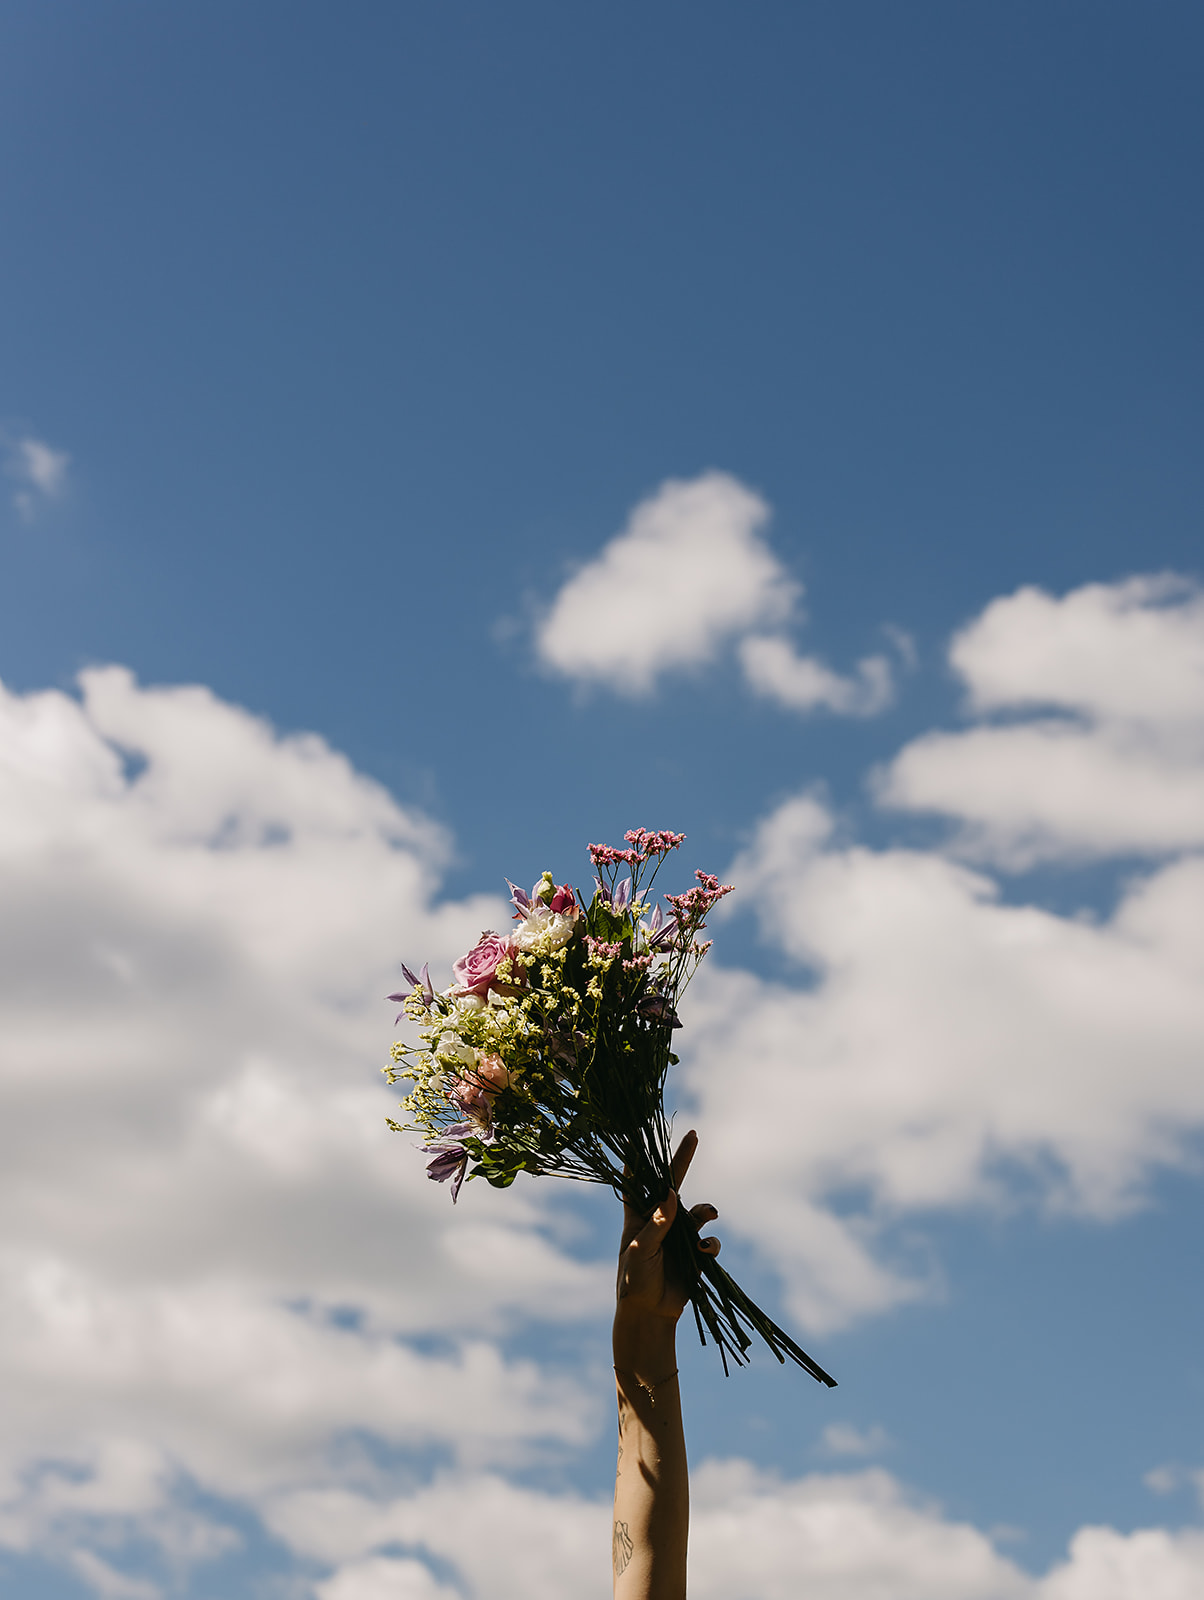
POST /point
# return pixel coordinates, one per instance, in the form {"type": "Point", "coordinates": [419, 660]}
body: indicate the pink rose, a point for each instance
{"type": "Point", "coordinates": [476, 971]}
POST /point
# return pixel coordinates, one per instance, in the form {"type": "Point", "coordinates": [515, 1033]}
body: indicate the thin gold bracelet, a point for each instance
{"type": "Point", "coordinates": [648, 1388]}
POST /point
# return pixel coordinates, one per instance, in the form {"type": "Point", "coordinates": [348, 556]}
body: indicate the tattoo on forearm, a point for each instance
{"type": "Point", "coordinates": [622, 1548]}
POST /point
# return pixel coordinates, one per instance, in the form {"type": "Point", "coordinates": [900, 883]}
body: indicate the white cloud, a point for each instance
{"type": "Point", "coordinates": [840, 1439]}
{"type": "Point", "coordinates": [1132, 650]}
{"type": "Point", "coordinates": [689, 574]}
{"type": "Point", "coordinates": [834, 1538]}
{"type": "Point", "coordinates": [949, 1044]}
{"type": "Point", "coordinates": [804, 683]}
{"type": "Point", "coordinates": [1118, 768]}
{"type": "Point", "coordinates": [689, 571]}
{"type": "Point", "coordinates": [383, 1578]}
{"type": "Point", "coordinates": [39, 470]}
{"type": "Point", "coordinates": [1150, 1564]}
{"type": "Point", "coordinates": [211, 1247]}
{"type": "Point", "coordinates": [1169, 1477]}
{"type": "Point", "coordinates": [213, 1255]}
{"type": "Point", "coordinates": [503, 1541]}
{"type": "Point", "coordinates": [246, 1392]}
{"type": "Point", "coordinates": [1162, 1480]}
{"type": "Point", "coordinates": [108, 1582]}
{"type": "Point", "coordinates": [753, 1536]}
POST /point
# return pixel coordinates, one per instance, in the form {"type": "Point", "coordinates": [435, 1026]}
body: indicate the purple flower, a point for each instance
{"type": "Point", "coordinates": [449, 1158]}
{"type": "Point", "coordinates": [422, 983]}
{"type": "Point", "coordinates": [658, 1008]}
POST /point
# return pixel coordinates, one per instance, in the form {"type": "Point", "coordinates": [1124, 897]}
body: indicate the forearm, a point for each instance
{"type": "Point", "coordinates": [652, 1494]}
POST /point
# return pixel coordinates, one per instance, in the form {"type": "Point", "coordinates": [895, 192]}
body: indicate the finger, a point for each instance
{"type": "Point", "coordinates": [682, 1157]}
{"type": "Point", "coordinates": [650, 1237]}
{"type": "Point", "coordinates": [633, 1221]}
{"type": "Point", "coordinates": [703, 1213]}
{"type": "Point", "coordinates": [709, 1247]}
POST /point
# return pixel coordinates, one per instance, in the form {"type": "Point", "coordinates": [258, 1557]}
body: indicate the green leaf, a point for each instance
{"type": "Point", "coordinates": [499, 1180]}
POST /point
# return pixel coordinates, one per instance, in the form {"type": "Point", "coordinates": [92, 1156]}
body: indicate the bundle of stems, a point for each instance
{"type": "Point", "coordinates": [636, 1162]}
{"type": "Point", "coordinates": [603, 1120]}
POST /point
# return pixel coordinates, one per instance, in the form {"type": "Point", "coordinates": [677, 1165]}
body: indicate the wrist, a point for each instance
{"type": "Point", "coordinates": [642, 1341]}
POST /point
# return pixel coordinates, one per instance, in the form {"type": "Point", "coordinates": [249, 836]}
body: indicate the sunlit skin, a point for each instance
{"type": "Point", "coordinates": [652, 1494]}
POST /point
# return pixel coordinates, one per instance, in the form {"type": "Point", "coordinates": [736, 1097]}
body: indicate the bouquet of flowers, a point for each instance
{"type": "Point", "coordinates": [548, 1054]}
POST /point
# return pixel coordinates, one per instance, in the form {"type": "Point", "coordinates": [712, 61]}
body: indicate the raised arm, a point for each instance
{"type": "Point", "coordinates": [652, 1493]}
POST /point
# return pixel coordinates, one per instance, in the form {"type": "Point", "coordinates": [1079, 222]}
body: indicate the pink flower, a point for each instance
{"type": "Point", "coordinates": [474, 1092]}
{"type": "Point", "coordinates": [647, 845]}
{"type": "Point", "coordinates": [492, 1073]}
{"type": "Point", "coordinates": [471, 1099]}
{"type": "Point", "coordinates": [690, 909]}
{"type": "Point", "coordinates": [476, 971]}
{"type": "Point", "coordinates": [605, 855]}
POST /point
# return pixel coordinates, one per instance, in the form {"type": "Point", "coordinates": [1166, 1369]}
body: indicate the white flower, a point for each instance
{"type": "Point", "coordinates": [544, 930]}
{"type": "Point", "coordinates": [452, 1048]}
{"type": "Point", "coordinates": [470, 1003]}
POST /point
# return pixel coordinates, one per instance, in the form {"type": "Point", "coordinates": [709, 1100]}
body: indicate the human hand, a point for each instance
{"type": "Point", "coordinates": [645, 1288]}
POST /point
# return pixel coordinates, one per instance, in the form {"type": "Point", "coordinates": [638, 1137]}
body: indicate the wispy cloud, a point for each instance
{"type": "Point", "coordinates": [773, 668]}
{"type": "Point", "coordinates": [841, 1439]}
{"type": "Point", "coordinates": [38, 470]}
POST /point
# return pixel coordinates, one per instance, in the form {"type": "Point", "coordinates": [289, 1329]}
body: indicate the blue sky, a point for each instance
{"type": "Point", "coordinates": [349, 354]}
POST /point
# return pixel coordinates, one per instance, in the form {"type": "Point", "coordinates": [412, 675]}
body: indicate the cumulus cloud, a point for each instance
{"type": "Point", "coordinates": [949, 1040]}
{"type": "Point", "coordinates": [501, 1540]}
{"type": "Point", "coordinates": [948, 1043]}
{"type": "Point", "coordinates": [384, 1578]}
{"type": "Point", "coordinates": [803, 683]}
{"type": "Point", "coordinates": [1107, 1565]}
{"type": "Point", "coordinates": [688, 572]}
{"type": "Point", "coordinates": [215, 1262]}
{"type": "Point", "coordinates": [1107, 756]}
{"type": "Point", "coordinates": [211, 1245]}
{"type": "Point", "coordinates": [1132, 650]}
{"type": "Point", "coordinates": [38, 470]}
{"type": "Point", "coordinates": [754, 1536]}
